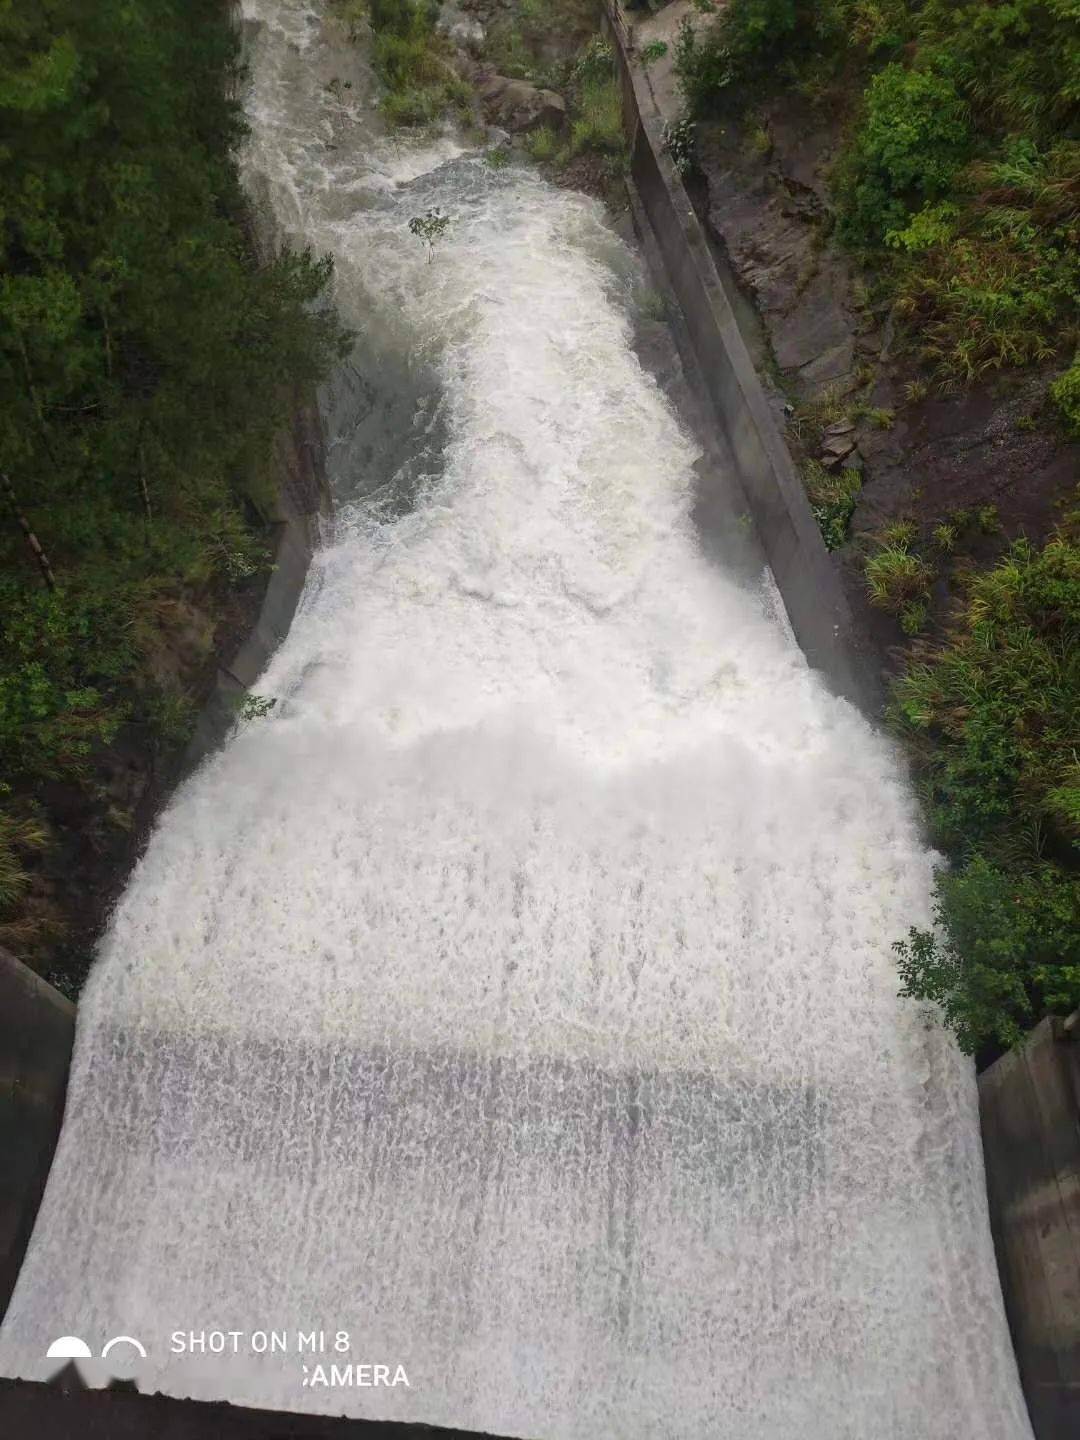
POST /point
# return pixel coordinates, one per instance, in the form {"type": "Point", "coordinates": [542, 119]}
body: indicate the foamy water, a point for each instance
{"type": "Point", "coordinates": [517, 997]}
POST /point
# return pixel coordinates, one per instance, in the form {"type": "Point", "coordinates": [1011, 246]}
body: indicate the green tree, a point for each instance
{"type": "Point", "coordinates": [148, 355]}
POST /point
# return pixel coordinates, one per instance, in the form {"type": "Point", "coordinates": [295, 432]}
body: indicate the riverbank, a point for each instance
{"type": "Point", "coordinates": [928, 419]}
{"type": "Point", "coordinates": [154, 365]}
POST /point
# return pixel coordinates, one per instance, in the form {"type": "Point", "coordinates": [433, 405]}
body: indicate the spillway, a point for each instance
{"type": "Point", "coordinates": [516, 998]}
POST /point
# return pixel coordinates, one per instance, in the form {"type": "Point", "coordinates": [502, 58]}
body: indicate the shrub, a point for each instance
{"type": "Point", "coordinates": [430, 228]}
{"type": "Point", "coordinates": [1006, 951]}
{"type": "Point", "coordinates": [990, 717]}
{"type": "Point", "coordinates": [990, 714]}
{"type": "Point", "coordinates": [808, 43]}
{"type": "Point", "coordinates": [680, 139]}
{"type": "Point", "coordinates": [596, 61]}
{"type": "Point", "coordinates": [754, 30]}
{"type": "Point", "coordinates": [1065, 393]}
{"type": "Point", "coordinates": [704, 66]}
{"type": "Point", "coordinates": [994, 282]}
{"type": "Point", "coordinates": [913, 139]}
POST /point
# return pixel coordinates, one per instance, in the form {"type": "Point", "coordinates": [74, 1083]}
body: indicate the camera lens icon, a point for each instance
{"type": "Point", "coordinates": [71, 1347]}
{"type": "Point", "coordinates": [122, 1340]}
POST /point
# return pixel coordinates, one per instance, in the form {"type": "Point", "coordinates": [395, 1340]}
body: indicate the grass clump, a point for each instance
{"type": "Point", "coordinates": [597, 124]}
{"type": "Point", "coordinates": [542, 144]}
{"type": "Point", "coordinates": [945, 537]}
{"type": "Point", "coordinates": [898, 580]}
{"type": "Point", "coordinates": [990, 716]}
{"type": "Point", "coordinates": [833, 495]}
{"type": "Point", "coordinates": [412, 58]}
{"type": "Point", "coordinates": [20, 837]}
{"type": "Point", "coordinates": [811, 418]}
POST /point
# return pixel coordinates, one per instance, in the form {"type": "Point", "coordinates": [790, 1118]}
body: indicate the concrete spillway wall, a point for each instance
{"type": "Point", "coordinates": [37, 1028]}
{"type": "Point", "coordinates": [1029, 1101]}
{"type": "Point", "coordinates": [805, 575]}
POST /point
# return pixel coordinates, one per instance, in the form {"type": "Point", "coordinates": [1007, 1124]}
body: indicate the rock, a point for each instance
{"type": "Point", "coordinates": [815, 326]}
{"type": "Point", "coordinates": [520, 107]}
{"type": "Point", "coordinates": [837, 446]}
{"type": "Point", "coordinates": [464, 30]}
{"type": "Point", "coordinates": [829, 366]}
{"type": "Point", "coordinates": [840, 427]}
{"type": "Point", "coordinates": [491, 87]}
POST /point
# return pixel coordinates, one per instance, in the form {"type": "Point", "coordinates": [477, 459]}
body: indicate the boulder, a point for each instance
{"type": "Point", "coordinates": [520, 107]}
{"type": "Point", "coordinates": [836, 448]}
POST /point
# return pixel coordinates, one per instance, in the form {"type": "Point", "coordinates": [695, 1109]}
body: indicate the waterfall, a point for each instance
{"type": "Point", "coordinates": [515, 1000]}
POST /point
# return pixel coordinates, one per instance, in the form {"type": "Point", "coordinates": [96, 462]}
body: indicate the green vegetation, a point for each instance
{"type": "Point", "coordinates": [413, 60]}
{"type": "Point", "coordinates": [148, 357]}
{"type": "Point", "coordinates": [832, 494]}
{"type": "Point", "coordinates": [20, 837]}
{"type": "Point", "coordinates": [542, 144]}
{"type": "Point", "coordinates": [960, 180]}
{"type": "Point", "coordinates": [990, 716]}
{"type": "Point", "coordinates": [430, 228]}
{"type": "Point", "coordinates": [1065, 393]}
{"type": "Point", "coordinates": [550, 43]}
{"type": "Point", "coordinates": [944, 538]}
{"type": "Point", "coordinates": [255, 707]}
{"type": "Point", "coordinates": [898, 580]}
{"type": "Point", "coordinates": [680, 140]}
{"type": "Point", "coordinates": [913, 139]}
{"type": "Point", "coordinates": [958, 191]}
{"type": "Point", "coordinates": [595, 63]}
{"type": "Point", "coordinates": [554, 43]}
{"type": "Point", "coordinates": [597, 123]}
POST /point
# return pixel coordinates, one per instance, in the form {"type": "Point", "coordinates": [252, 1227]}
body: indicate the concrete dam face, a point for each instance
{"type": "Point", "coordinates": [514, 1003]}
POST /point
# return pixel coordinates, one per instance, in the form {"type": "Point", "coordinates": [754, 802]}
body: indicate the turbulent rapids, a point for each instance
{"type": "Point", "coordinates": [517, 996]}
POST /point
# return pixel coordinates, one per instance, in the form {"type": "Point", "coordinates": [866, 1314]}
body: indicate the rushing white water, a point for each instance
{"type": "Point", "coordinates": [518, 997]}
